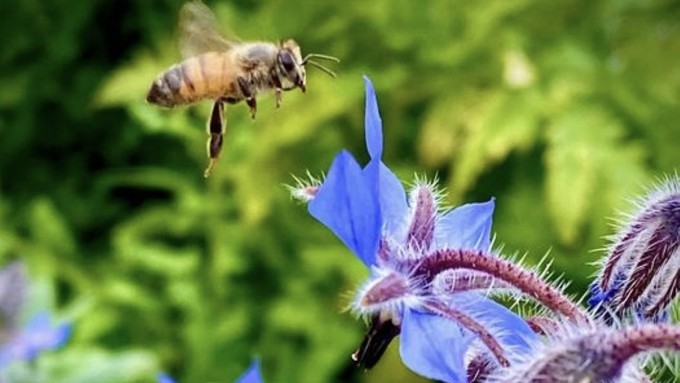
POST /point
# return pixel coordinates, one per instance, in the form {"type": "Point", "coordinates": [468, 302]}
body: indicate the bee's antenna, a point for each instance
{"type": "Point", "coordinates": [318, 65]}
{"type": "Point", "coordinates": [323, 68]}
{"type": "Point", "coordinates": [320, 56]}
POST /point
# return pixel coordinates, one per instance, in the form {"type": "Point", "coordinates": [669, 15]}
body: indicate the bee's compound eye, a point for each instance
{"type": "Point", "coordinates": [287, 61]}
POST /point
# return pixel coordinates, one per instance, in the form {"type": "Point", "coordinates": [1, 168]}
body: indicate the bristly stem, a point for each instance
{"type": "Point", "coordinates": [632, 341]}
{"type": "Point", "coordinates": [595, 355]}
{"type": "Point", "coordinates": [542, 325]}
{"type": "Point", "coordinates": [471, 324]}
{"type": "Point", "coordinates": [527, 282]}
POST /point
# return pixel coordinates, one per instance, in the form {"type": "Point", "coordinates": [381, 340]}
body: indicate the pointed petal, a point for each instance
{"type": "Point", "coordinates": [41, 335]}
{"type": "Point", "coordinates": [433, 347]}
{"type": "Point", "coordinates": [252, 374]}
{"type": "Point", "coordinates": [348, 205]}
{"type": "Point", "coordinates": [373, 124]}
{"type": "Point", "coordinates": [391, 193]}
{"type": "Point", "coordinates": [466, 227]}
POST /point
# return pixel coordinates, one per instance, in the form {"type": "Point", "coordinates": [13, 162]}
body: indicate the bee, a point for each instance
{"type": "Point", "coordinates": [227, 71]}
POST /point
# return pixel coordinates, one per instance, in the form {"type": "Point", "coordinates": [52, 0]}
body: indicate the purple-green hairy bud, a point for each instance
{"type": "Point", "coordinates": [588, 353]}
{"type": "Point", "coordinates": [641, 272]}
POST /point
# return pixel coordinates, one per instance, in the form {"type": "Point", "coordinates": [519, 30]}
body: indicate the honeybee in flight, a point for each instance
{"type": "Point", "coordinates": [227, 71]}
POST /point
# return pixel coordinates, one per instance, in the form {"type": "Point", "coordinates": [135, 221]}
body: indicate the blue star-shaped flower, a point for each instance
{"type": "Point", "coordinates": [251, 375]}
{"type": "Point", "coordinates": [37, 336]}
{"type": "Point", "coordinates": [368, 209]}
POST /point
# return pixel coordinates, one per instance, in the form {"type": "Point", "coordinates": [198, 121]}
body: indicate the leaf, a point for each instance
{"type": "Point", "coordinates": [484, 128]}
{"type": "Point", "coordinates": [586, 156]}
{"type": "Point", "coordinates": [130, 83]}
{"type": "Point", "coordinates": [49, 228]}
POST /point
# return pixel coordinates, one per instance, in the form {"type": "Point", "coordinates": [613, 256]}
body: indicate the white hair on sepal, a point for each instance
{"type": "Point", "coordinates": [454, 281]}
{"type": "Point", "coordinates": [659, 285]}
{"type": "Point", "coordinates": [421, 181]}
{"type": "Point", "coordinates": [375, 296]}
{"type": "Point", "coordinates": [660, 363]}
{"type": "Point", "coordinates": [634, 371]}
{"type": "Point", "coordinates": [305, 188]}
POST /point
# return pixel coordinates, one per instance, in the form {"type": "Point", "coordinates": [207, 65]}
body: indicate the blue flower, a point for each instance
{"type": "Point", "coordinates": [392, 233]}
{"type": "Point", "coordinates": [251, 375]}
{"type": "Point", "coordinates": [38, 335]}
{"type": "Point", "coordinates": [164, 378]}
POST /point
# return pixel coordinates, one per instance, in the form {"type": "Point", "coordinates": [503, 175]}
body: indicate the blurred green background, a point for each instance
{"type": "Point", "coordinates": [562, 110]}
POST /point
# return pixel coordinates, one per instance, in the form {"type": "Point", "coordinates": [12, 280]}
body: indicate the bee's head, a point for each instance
{"type": "Point", "coordinates": [291, 65]}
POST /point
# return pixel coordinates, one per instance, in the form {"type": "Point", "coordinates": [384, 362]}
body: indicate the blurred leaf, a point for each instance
{"type": "Point", "coordinates": [585, 155]}
{"type": "Point", "coordinates": [508, 122]}
{"type": "Point", "coordinates": [560, 110]}
{"type": "Point", "coordinates": [50, 229]}
{"type": "Point", "coordinates": [130, 83]}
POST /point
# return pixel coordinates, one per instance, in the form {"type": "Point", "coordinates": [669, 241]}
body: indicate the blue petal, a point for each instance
{"type": "Point", "coordinates": [373, 124]}
{"type": "Point", "coordinates": [41, 335]}
{"type": "Point", "coordinates": [391, 194]}
{"type": "Point", "coordinates": [433, 347]}
{"type": "Point", "coordinates": [252, 374]}
{"type": "Point", "coordinates": [37, 336]}
{"type": "Point", "coordinates": [164, 378]}
{"type": "Point", "coordinates": [466, 227]}
{"type": "Point", "coordinates": [510, 329]}
{"type": "Point", "coordinates": [393, 204]}
{"type": "Point", "coordinates": [347, 203]}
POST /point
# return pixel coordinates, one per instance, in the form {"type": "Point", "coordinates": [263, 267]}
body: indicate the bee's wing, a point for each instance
{"type": "Point", "coordinates": [199, 32]}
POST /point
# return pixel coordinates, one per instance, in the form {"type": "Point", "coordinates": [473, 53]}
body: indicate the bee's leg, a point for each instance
{"type": "Point", "coordinates": [217, 125]}
{"type": "Point", "coordinates": [248, 95]}
{"type": "Point", "coordinates": [277, 89]}
{"type": "Point", "coordinates": [277, 95]}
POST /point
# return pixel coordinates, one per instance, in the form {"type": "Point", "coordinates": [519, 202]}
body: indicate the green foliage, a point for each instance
{"type": "Point", "coordinates": [560, 110]}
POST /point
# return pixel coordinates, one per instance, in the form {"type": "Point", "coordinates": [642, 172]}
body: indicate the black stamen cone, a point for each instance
{"type": "Point", "coordinates": [375, 342]}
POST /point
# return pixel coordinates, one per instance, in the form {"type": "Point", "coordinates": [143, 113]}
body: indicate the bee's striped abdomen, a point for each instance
{"type": "Point", "coordinates": [197, 78]}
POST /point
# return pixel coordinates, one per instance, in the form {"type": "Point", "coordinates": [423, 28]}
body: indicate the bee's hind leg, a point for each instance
{"type": "Point", "coordinates": [248, 95]}
{"type": "Point", "coordinates": [217, 126]}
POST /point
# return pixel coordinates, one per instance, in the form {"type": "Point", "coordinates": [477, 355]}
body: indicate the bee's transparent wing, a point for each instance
{"type": "Point", "coordinates": [199, 32]}
{"type": "Point", "coordinates": [13, 293]}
